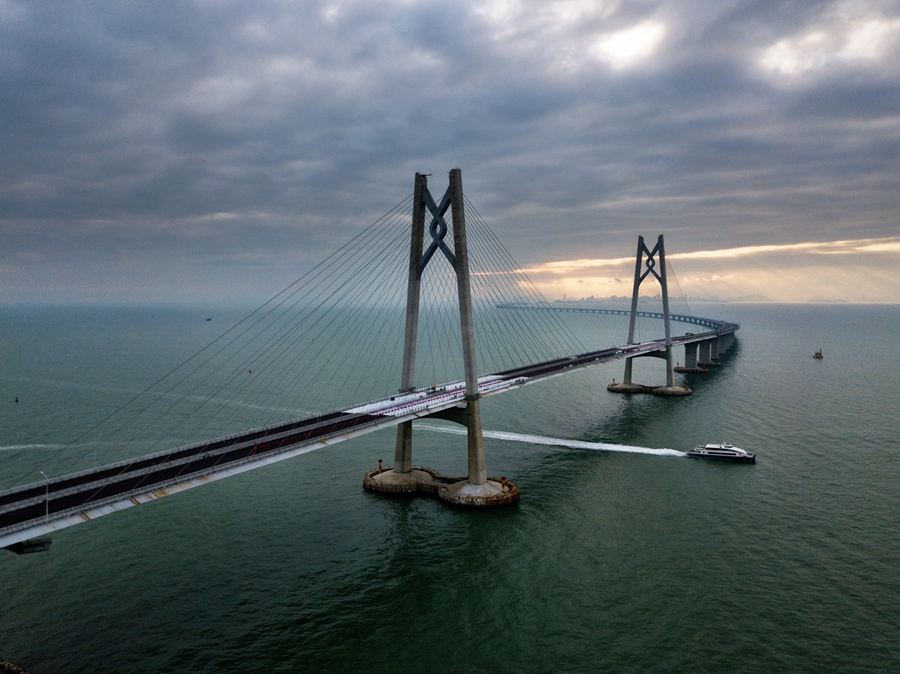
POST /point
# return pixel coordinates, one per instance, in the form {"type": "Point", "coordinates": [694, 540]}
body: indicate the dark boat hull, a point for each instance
{"type": "Point", "coordinates": [750, 458]}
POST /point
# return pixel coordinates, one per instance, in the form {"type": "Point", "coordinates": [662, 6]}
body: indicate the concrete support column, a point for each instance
{"type": "Point", "coordinates": [713, 349]}
{"type": "Point", "coordinates": [655, 265]}
{"type": "Point", "coordinates": [670, 368]}
{"type": "Point", "coordinates": [664, 284]}
{"type": "Point", "coordinates": [704, 352]}
{"type": "Point", "coordinates": [403, 448]}
{"type": "Point", "coordinates": [690, 355]}
{"type": "Point", "coordinates": [723, 345]}
{"type": "Point", "coordinates": [477, 470]}
{"type": "Point", "coordinates": [635, 292]}
{"type": "Point", "coordinates": [477, 463]}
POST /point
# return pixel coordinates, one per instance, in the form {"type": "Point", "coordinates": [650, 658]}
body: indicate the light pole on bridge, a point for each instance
{"type": "Point", "coordinates": [46, 497]}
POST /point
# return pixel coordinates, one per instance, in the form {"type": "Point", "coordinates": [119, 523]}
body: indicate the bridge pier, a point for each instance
{"type": "Point", "coordinates": [670, 389]}
{"type": "Point", "coordinates": [714, 351]}
{"type": "Point", "coordinates": [690, 359]}
{"type": "Point", "coordinates": [703, 355]}
{"type": "Point", "coordinates": [476, 489]}
{"type": "Point", "coordinates": [403, 477]}
{"type": "Point", "coordinates": [709, 352]}
{"type": "Point", "coordinates": [628, 386]}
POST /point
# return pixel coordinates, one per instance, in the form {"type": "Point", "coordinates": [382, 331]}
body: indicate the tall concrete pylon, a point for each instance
{"type": "Point", "coordinates": [644, 267]}
{"type": "Point", "coordinates": [403, 451]}
{"type": "Point", "coordinates": [477, 489]}
{"type": "Point", "coordinates": [477, 468]}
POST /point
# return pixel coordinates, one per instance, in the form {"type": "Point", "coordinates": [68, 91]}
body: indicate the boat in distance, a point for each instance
{"type": "Point", "coordinates": [722, 452]}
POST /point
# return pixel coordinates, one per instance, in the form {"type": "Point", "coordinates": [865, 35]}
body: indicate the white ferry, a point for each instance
{"type": "Point", "coordinates": [722, 452]}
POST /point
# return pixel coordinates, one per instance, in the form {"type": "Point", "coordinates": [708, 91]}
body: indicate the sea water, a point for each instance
{"type": "Point", "coordinates": [621, 556]}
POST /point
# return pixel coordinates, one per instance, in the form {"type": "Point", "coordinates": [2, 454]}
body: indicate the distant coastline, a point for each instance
{"type": "Point", "coordinates": [744, 299]}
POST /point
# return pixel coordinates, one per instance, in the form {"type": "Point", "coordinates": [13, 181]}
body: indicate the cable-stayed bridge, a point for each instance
{"type": "Point", "coordinates": [455, 316]}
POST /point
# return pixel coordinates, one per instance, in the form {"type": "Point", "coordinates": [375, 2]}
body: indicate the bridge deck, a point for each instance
{"type": "Point", "coordinates": [37, 509]}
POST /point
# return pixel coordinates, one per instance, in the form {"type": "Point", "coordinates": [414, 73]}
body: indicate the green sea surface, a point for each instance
{"type": "Point", "coordinates": [611, 562]}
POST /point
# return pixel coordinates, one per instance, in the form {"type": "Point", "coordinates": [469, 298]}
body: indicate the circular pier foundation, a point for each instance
{"type": "Point", "coordinates": [672, 391]}
{"type": "Point", "coordinates": [629, 388]}
{"type": "Point", "coordinates": [491, 493]}
{"type": "Point", "coordinates": [454, 490]}
{"type": "Point", "coordinates": [385, 480]}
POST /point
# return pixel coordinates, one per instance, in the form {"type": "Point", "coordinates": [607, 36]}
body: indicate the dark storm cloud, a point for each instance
{"type": "Point", "coordinates": [241, 132]}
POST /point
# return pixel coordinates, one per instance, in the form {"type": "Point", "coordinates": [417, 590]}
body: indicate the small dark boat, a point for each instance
{"type": "Point", "coordinates": [818, 355]}
{"type": "Point", "coordinates": [722, 452]}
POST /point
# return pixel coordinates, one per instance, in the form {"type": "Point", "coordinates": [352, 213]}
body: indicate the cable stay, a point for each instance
{"type": "Point", "coordinates": [320, 362]}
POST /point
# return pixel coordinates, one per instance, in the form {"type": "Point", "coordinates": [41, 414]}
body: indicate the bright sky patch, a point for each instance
{"type": "Point", "coordinates": [629, 47]}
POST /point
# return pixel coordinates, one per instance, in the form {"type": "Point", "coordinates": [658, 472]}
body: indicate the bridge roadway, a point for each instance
{"type": "Point", "coordinates": [677, 318]}
{"type": "Point", "coordinates": [41, 508]}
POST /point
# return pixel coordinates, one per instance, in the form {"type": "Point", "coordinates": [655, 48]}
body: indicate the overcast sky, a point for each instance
{"type": "Point", "coordinates": [212, 150]}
